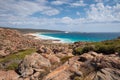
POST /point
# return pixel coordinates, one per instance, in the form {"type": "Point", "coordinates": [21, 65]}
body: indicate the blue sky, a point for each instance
{"type": "Point", "coordinates": [67, 15]}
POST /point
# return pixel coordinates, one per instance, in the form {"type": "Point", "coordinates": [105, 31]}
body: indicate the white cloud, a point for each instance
{"type": "Point", "coordinates": [26, 8]}
{"type": "Point", "coordinates": [71, 3]}
{"type": "Point", "coordinates": [17, 13]}
{"type": "Point", "coordinates": [102, 1]}
{"type": "Point", "coordinates": [58, 2]}
{"type": "Point", "coordinates": [98, 0]}
{"type": "Point", "coordinates": [100, 13]}
{"type": "Point", "coordinates": [50, 11]}
{"type": "Point", "coordinates": [78, 3]}
{"type": "Point", "coordinates": [66, 20]}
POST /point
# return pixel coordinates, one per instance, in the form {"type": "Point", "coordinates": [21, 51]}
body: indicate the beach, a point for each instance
{"type": "Point", "coordinates": [44, 38]}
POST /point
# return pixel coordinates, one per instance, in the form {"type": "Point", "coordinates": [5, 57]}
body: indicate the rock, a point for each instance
{"type": "Point", "coordinates": [63, 76]}
{"type": "Point", "coordinates": [99, 67]}
{"type": "Point", "coordinates": [108, 74]}
{"type": "Point", "coordinates": [9, 75]}
{"type": "Point", "coordinates": [53, 59]}
{"type": "Point", "coordinates": [56, 72]}
{"type": "Point", "coordinates": [85, 57]}
{"type": "Point", "coordinates": [12, 41]}
{"type": "Point", "coordinates": [43, 49]}
{"type": "Point", "coordinates": [2, 53]}
{"type": "Point", "coordinates": [79, 73]}
{"type": "Point", "coordinates": [33, 63]}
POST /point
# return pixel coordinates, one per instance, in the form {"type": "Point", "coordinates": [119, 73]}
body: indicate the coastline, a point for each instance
{"type": "Point", "coordinates": [39, 36]}
{"type": "Point", "coordinates": [71, 38]}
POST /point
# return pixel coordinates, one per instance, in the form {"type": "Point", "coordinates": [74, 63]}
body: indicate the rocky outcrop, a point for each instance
{"type": "Point", "coordinates": [56, 72]}
{"type": "Point", "coordinates": [12, 41]}
{"type": "Point", "coordinates": [89, 66]}
{"type": "Point", "coordinates": [52, 58]}
{"type": "Point", "coordinates": [33, 65]}
{"type": "Point", "coordinates": [99, 67]}
{"type": "Point", "coordinates": [55, 61]}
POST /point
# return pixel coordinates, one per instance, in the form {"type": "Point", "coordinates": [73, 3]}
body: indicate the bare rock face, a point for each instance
{"type": "Point", "coordinates": [108, 74]}
{"type": "Point", "coordinates": [44, 49]}
{"type": "Point", "coordinates": [88, 66]}
{"type": "Point", "coordinates": [52, 58]}
{"type": "Point", "coordinates": [99, 67]}
{"type": "Point", "coordinates": [12, 41]}
{"type": "Point", "coordinates": [32, 64]}
{"type": "Point", "coordinates": [9, 75]}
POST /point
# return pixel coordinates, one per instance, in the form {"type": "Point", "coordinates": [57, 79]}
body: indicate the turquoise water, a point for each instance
{"type": "Point", "coordinates": [73, 37]}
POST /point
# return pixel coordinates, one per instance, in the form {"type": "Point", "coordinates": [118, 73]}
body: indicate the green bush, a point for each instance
{"type": "Point", "coordinates": [78, 51]}
{"type": "Point", "coordinates": [81, 50]}
{"type": "Point", "coordinates": [87, 49]}
{"type": "Point", "coordinates": [106, 47]}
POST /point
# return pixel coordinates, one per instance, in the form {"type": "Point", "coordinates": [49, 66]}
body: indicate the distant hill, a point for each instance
{"type": "Point", "coordinates": [27, 30]}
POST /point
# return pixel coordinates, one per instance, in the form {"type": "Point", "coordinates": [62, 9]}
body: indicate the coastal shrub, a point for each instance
{"type": "Point", "coordinates": [106, 47]}
{"type": "Point", "coordinates": [87, 49]}
{"type": "Point", "coordinates": [81, 50]}
{"type": "Point", "coordinates": [78, 51]}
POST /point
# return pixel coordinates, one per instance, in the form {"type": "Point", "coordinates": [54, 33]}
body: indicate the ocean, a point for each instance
{"type": "Point", "coordinates": [74, 37]}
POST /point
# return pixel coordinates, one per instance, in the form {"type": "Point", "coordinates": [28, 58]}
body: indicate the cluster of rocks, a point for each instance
{"type": "Point", "coordinates": [12, 41]}
{"type": "Point", "coordinates": [89, 66]}
{"type": "Point", "coordinates": [46, 63]}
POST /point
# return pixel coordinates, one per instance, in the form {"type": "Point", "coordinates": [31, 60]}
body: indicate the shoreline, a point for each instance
{"type": "Point", "coordinates": [39, 36]}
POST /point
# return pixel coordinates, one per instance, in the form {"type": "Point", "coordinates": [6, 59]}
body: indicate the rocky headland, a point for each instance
{"type": "Point", "coordinates": [24, 58]}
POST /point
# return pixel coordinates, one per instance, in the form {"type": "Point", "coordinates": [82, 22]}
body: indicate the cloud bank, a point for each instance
{"type": "Point", "coordinates": [47, 14]}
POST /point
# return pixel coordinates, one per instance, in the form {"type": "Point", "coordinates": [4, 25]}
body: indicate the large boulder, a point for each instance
{"type": "Point", "coordinates": [52, 58]}
{"type": "Point", "coordinates": [44, 49]}
{"type": "Point", "coordinates": [32, 64]}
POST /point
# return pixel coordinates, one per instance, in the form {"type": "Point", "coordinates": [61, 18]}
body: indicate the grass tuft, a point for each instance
{"type": "Point", "coordinates": [11, 61]}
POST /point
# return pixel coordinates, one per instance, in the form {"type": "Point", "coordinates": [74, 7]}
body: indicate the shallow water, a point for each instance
{"type": "Point", "coordinates": [73, 37]}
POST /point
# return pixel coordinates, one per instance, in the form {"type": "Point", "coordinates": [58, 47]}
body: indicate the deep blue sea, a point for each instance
{"type": "Point", "coordinates": [73, 37]}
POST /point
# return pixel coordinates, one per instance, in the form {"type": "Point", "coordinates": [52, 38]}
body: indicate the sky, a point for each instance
{"type": "Point", "coordinates": [65, 15]}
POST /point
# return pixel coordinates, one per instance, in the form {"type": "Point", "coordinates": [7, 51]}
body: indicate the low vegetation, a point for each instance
{"type": "Point", "coordinates": [11, 61]}
{"type": "Point", "coordinates": [106, 47]}
{"type": "Point", "coordinates": [65, 58]}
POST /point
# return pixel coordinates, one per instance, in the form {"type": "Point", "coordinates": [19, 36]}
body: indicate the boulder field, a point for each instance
{"type": "Point", "coordinates": [55, 61]}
